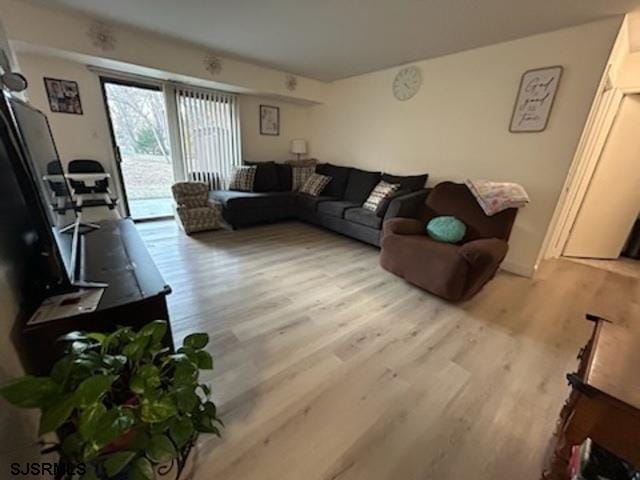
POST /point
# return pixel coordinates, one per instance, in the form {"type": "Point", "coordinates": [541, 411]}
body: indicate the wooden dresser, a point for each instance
{"type": "Point", "coordinates": [604, 403]}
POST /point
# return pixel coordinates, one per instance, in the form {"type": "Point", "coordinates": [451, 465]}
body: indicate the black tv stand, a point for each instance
{"type": "Point", "coordinates": [135, 294]}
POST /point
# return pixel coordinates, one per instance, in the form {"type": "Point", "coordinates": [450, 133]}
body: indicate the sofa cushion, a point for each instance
{"type": "Point", "coordinates": [339, 177]}
{"type": "Point", "coordinates": [266, 177]}
{"type": "Point", "coordinates": [284, 177]}
{"type": "Point", "coordinates": [360, 184]}
{"type": "Point", "coordinates": [363, 217]}
{"type": "Point", "coordinates": [299, 176]}
{"type": "Point", "coordinates": [336, 208]}
{"type": "Point", "coordinates": [412, 183]}
{"type": "Point", "coordinates": [383, 206]}
{"type": "Point", "coordinates": [243, 178]}
{"type": "Point", "coordinates": [315, 184]}
{"type": "Point", "coordinates": [379, 194]}
{"type": "Point", "coordinates": [310, 203]}
{"type": "Point", "coordinates": [240, 200]}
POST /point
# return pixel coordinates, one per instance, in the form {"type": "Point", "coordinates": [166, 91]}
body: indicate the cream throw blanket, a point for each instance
{"type": "Point", "coordinates": [495, 197]}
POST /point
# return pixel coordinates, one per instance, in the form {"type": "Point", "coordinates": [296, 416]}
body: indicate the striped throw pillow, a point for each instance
{"type": "Point", "coordinates": [243, 178]}
{"type": "Point", "coordinates": [299, 176]}
{"type": "Point", "coordinates": [382, 191]}
{"type": "Point", "coordinates": [315, 184]}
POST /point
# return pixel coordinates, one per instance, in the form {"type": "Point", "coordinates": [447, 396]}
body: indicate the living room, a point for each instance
{"type": "Point", "coordinates": [354, 215]}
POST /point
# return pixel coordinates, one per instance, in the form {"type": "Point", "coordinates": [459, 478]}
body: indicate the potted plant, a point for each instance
{"type": "Point", "coordinates": [122, 405]}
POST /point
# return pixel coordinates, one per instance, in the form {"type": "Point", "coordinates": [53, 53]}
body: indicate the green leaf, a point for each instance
{"type": "Point", "coordinates": [204, 424]}
{"type": "Point", "coordinates": [209, 409]}
{"type": "Point", "coordinates": [112, 424]}
{"type": "Point", "coordinates": [206, 389]}
{"type": "Point", "coordinates": [89, 419]}
{"type": "Point", "coordinates": [141, 469]}
{"type": "Point", "coordinates": [136, 349]}
{"type": "Point", "coordinates": [116, 462]}
{"type": "Point", "coordinates": [56, 414]}
{"type": "Point", "coordinates": [157, 410]}
{"type": "Point", "coordinates": [196, 340]}
{"type": "Point", "coordinates": [156, 330]}
{"type": "Point", "coordinates": [186, 373]}
{"type": "Point", "coordinates": [160, 449]}
{"type": "Point", "coordinates": [90, 473]}
{"type": "Point", "coordinates": [114, 362]}
{"type": "Point", "coordinates": [98, 337]}
{"type": "Point", "coordinates": [72, 445]}
{"type": "Point", "coordinates": [147, 377]}
{"type": "Point", "coordinates": [91, 389]}
{"type": "Point", "coordinates": [61, 369]}
{"type": "Point", "coordinates": [139, 441]}
{"type": "Point", "coordinates": [204, 360]}
{"type": "Point", "coordinates": [181, 431]}
{"type": "Point", "coordinates": [73, 337]}
{"type": "Point", "coordinates": [31, 392]}
{"type": "Point", "coordinates": [186, 398]}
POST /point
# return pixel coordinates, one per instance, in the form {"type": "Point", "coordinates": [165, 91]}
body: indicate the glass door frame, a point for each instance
{"type": "Point", "coordinates": [150, 85]}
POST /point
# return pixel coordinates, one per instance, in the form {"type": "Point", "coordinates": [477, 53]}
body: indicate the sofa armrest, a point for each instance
{"type": "Point", "coordinates": [484, 252]}
{"type": "Point", "coordinates": [402, 226]}
{"type": "Point", "coordinates": [407, 206]}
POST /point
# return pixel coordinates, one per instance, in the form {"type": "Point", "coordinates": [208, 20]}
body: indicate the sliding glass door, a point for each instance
{"type": "Point", "coordinates": [141, 136]}
{"type": "Point", "coordinates": [163, 133]}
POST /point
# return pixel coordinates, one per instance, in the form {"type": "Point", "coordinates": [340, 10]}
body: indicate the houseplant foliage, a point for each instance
{"type": "Point", "coordinates": [121, 403]}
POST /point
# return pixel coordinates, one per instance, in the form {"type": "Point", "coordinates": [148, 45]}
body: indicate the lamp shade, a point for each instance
{"type": "Point", "coordinates": [299, 146]}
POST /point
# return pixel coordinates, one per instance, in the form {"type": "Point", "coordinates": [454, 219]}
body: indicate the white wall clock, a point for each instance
{"type": "Point", "coordinates": [407, 83]}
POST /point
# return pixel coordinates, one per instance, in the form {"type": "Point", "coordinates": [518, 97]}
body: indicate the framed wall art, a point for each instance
{"type": "Point", "coordinates": [63, 95]}
{"type": "Point", "coordinates": [535, 99]}
{"type": "Point", "coordinates": [269, 120]}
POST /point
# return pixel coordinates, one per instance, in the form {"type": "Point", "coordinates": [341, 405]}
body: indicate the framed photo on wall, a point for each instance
{"type": "Point", "coordinates": [63, 95]}
{"type": "Point", "coordinates": [535, 99]}
{"type": "Point", "coordinates": [269, 120]}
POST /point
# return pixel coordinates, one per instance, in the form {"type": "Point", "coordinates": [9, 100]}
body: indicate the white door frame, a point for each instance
{"type": "Point", "coordinates": [603, 111]}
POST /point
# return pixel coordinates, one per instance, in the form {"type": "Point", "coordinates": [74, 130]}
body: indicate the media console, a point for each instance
{"type": "Point", "coordinates": [136, 292]}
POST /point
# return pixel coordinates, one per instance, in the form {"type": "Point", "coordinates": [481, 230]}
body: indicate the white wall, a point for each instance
{"type": "Point", "coordinates": [87, 135]}
{"type": "Point", "coordinates": [294, 123]}
{"type": "Point", "coordinates": [63, 30]}
{"type": "Point", "coordinates": [77, 136]}
{"type": "Point", "coordinates": [457, 125]}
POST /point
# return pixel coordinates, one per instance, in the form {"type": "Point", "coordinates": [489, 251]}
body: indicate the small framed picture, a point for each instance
{"type": "Point", "coordinates": [269, 120]}
{"type": "Point", "coordinates": [535, 99]}
{"type": "Point", "coordinates": [63, 95]}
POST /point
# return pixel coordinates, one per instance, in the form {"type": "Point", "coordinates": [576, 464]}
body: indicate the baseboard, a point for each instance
{"type": "Point", "coordinates": [517, 268]}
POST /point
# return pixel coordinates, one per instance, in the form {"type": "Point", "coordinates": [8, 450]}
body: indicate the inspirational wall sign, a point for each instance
{"type": "Point", "coordinates": [535, 98]}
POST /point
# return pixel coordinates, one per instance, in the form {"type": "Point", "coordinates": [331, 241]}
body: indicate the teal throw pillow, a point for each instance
{"type": "Point", "coordinates": [446, 229]}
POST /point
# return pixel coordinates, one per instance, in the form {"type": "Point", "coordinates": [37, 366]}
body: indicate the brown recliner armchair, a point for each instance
{"type": "Point", "coordinates": [451, 271]}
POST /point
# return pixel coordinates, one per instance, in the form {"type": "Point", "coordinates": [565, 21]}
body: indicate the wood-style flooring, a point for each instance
{"type": "Point", "coordinates": [328, 367]}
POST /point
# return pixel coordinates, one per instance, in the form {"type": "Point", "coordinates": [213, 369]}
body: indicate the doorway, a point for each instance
{"type": "Point", "coordinates": [606, 230]}
{"type": "Point", "coordinates": [140, 134]}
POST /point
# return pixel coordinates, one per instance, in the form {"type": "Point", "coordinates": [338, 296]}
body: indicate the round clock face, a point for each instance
{"type": "Point", "coordinates": [407, 83]}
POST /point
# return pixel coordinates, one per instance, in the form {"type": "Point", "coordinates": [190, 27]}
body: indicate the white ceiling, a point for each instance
{"type": "Point", "coordinates": [331, 39]}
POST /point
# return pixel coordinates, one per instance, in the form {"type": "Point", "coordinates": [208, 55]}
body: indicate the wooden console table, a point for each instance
{"type": "Point", "coordinates": [136, 293]}
{"type": "Point", "coordinates": [604, 403]}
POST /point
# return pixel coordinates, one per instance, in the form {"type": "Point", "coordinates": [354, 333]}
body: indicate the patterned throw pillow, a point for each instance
{"type": "Point", "coordinates": [315, 184]}
{"type": "Point", "coordinates": [376, 197]}
{"type": "Point", "coordinates": [242, 178]}
{"type": "Point", "coordinates": [299, 176]}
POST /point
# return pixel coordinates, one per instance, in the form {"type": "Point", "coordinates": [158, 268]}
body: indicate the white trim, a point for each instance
{"type": "Point", "coordinates": [518, 269]}
{"type": "Point", "coordinates": [603, 111]}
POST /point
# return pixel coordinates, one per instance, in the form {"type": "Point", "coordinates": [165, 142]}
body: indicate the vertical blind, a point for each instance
{"type": "Point", "coordinates": [209, 135]}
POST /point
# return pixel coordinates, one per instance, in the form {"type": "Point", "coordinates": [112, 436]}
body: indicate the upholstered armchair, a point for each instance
{"type": "Point", "coordinates": [451, 271]}
{"type": "Point", "coordinates": [194, 211]}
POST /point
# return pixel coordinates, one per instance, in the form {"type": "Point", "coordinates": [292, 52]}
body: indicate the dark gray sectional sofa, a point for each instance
{"type": "Point", "coordinates": [338, 207]}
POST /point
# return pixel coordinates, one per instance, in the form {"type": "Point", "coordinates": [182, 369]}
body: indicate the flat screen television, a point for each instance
{"type": "Point", "coordinates": [36, 162]}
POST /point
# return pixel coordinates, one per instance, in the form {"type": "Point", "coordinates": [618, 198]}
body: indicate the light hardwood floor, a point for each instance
{"type": "Point", "coordinates": [328, 367]}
